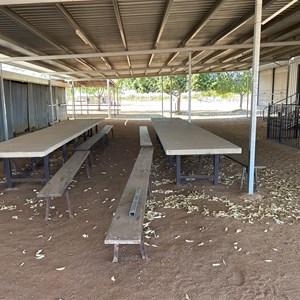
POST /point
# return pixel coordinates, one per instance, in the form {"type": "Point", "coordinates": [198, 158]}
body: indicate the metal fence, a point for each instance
{"type": "Point", "coordinates": [283, 124]}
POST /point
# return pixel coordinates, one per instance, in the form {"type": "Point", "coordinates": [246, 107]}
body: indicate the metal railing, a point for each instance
{"type": "Point", "coordinates": [292, 99]}
{"type": "Point", "coordinates": [283, 124]}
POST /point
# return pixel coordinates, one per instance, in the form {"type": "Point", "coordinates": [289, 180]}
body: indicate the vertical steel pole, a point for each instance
{"type": "Point", "coordinates": [51, 101]}
{"type": "Point", "coordinates": [162, 95]}
{"type": "Point", "coordinates": [80, 99]}
{"type": "Point", "coordinates": [190, 88]}
{"type": "Point", "coordinates": [255, 66]}
{"type": "Point", "coordinates": [248, 83]}
{"type": "Point", "coordinates": [287, 84]}
{"type": "Point", "coordinates": [3, 103]}
{"type": "Point", "coordinates": [171, 96]}
{"type": "Point", "coordinates": [73, 101]}
{"type": "Point", "coordinates": [108, 99]}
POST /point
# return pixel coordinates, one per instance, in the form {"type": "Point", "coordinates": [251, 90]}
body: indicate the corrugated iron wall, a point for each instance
{"type": "Point", "coordinates": [28, 107]}
{"type": "Point", "coordinates": [294, 75]}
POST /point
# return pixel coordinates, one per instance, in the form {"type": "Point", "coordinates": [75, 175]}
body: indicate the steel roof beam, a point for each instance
{"type": "Point", "coordinates": [161, 28]}
{"type": "Point", "coordinates": [248, 37]}
{"type": "Point", "coordinates": [196, 29]}
{"type": "Point", "coordinates": [24, 49]}
{"type": "Point", "coordinates": [232, 28]}
{"type": "Point", "coordinates": [76, 26]}
{"type": "Point", "coordinates": [40, 34]}
{"type": "Point", "coordinates": [121, 29]}
{"type": "Point", "coordinates": [149, 51]}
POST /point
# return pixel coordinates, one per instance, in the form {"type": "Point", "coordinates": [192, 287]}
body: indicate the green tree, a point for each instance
{"type": "Point", "coordinates": [232, 83]}
{"type": "Point", "coordinates": [203, 82]}
{"type": "Point", "coordinates": [179, 86]}
{"type": "Point", "coordinates": [154, 84]}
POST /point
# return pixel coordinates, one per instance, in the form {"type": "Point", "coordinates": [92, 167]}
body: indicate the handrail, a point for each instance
{"type": "Point", "coordinates": [278, 102]}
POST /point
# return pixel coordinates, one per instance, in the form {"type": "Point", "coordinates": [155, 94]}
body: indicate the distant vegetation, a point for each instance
{"type": "Point", "coordinates": [224, 84]}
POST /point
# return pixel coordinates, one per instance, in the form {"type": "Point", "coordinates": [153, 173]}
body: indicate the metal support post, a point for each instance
{"type": "Point", "coordinates": [190, 88]}
{"type": "Point", "coordinates": [248, 83]}
{"type": "Point", "coordinates": [4, 111]}
{"type": "Point", "coordinates": [256, 54]}
{"type": "Point", "coordinates": [171, 96]}
{"type": "Point", "coordinates": [73, 101]}
{"type": "Point", "coordinates": [51, 101]}
{"type": "Point", "coordinates": [162, 95]}
{"type": "Point", "coordinates": [108, 99]}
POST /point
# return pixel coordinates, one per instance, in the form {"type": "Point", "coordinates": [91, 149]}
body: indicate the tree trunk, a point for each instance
{"type": "Point", "coordinates": [178, 102]}
{"type": "Point", "coordinates": [241, 101]}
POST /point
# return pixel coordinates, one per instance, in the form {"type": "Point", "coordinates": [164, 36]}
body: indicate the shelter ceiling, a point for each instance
{"type": "Point", "coordinates": [32, 27]}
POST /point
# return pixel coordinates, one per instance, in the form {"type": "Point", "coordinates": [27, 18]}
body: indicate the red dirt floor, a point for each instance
{"type": "Point", "coordinates": [203, 241]}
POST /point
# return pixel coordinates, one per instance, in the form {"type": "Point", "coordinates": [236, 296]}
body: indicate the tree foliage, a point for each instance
{"type": "Point", "coordinates": [223, 83]}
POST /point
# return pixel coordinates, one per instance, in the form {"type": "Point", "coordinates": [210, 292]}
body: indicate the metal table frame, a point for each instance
{"type": "Point", "coordinates": [180, 138]}
{"type": "Point", "coordinates": [85, 128]}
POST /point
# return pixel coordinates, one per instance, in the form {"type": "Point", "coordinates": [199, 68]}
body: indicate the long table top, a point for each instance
{"type": "Point", "coordinates": [179, 137]}
{"type": "Point", "coordinates": [42, 142]}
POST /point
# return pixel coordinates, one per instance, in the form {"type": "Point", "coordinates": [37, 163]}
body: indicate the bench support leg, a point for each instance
{"type": "Point", "coordinates": [244, 172]}
{"type": "Point", "coordinates": [47, 208]}
{"type": "Point", "coordinates": [8, 175]}
{"type": "Point", "coordinates": [149, 188]}
{"type": "Point", "coordinates": [116, 253]}
{"type": "Point", "coordinates": [216, 168]}
{"type": "Point", "coordinates": [69, 204]}
{"type": "Point", "coordinates": [87, 167]}
{"type": "Point", "coordinates": [143, 250]}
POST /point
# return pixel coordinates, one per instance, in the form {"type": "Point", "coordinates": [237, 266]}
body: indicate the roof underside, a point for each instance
{"type": "Point", "coordinates": [43, 28]}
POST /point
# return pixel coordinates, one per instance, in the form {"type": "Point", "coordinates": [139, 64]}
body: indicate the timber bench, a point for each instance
{"type": "Point", "coordinates": [145, 140]}
{"type": "Point", "coordinates": [242, 160]}
{"type": "Point", "coordinates": [60, 181]}
{"type": "Point", "coordinates": [89, 143]}
{"type": "Point", "coordinates": [127, 224]}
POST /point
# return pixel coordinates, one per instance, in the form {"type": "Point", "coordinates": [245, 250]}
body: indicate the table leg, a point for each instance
{"type": "Point", "coordinates": [178, 169]}
{"type": "Point", "coordinates": [216, 168]}
{"type": "Point", "coordinates": [8, 172]}
{"type": "Point", "coordinates": [65, 153]}
{"type": "Point", "coordinates": [170, 160]}
{"type": "Point", "coordinates": [96, 128]}
{"type": "Point", "coordinates": [46, 168]}
{"type": "Point", "coordinates": [33, 163]}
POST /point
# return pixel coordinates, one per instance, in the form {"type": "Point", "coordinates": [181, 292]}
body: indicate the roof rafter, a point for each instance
{"type": "Point", "coordinates": [149, 51]}
{"type": "Point", "coordinates": [247, 37]}
{"type": "Point", "coordinates": [161, 28]}
{"type": "Point", "coordinates": [13, 45]}
{"type": "Point", "coordinates": [121, 30]}
{"type": "Point", "coordinates": [40, 34]}
{"type": "Point", "coordinates": [196, 29]}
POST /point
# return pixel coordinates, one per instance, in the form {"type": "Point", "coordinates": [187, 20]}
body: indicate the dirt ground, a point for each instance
{"type": "Point", "coordinates": [203, 241]}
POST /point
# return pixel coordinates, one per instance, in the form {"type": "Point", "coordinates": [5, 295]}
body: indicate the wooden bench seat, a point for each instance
{"type": "Point", "coordinates": [145, 140]}
{"type": "Point", "coordinates": [60, 181]}
{"type": "Point", "coordinates": [106, 129]}
{"type": "Point", "coordinates": [89, 143]}
{"type": "Point", "coordinates": [242, 160]}
{"type": "Point", "coordinates": [127, 225]}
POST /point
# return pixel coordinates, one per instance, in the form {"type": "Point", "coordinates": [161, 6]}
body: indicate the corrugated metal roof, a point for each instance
{"type": "Point", "coordinates": [118, 25]}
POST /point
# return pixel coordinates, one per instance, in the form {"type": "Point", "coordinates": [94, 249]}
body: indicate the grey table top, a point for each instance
{"type": "Point", "coordinates": [42, 142]}
{"type": "Point", "coordinates": [179, 137]}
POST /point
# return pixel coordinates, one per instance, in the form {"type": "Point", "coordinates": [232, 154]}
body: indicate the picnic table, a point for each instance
{"type": "Point", "coordinates": [180, 138]}
{"type": "Point", "coordinates": [41, 143]}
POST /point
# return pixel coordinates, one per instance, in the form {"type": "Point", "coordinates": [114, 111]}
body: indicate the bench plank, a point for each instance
{"type": "Point", "coordinates": [124, 229]}
{"type": "Point", "coordinates": [88, 144]}
{"type": "Point", "coordinates": [242, 159]}
{"type": "Point", "coordinates": [106, 129]}
{"type": "Point", "coordinates": [145, 140]}
{"type": "Point", "coordinates": [56, 186]}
